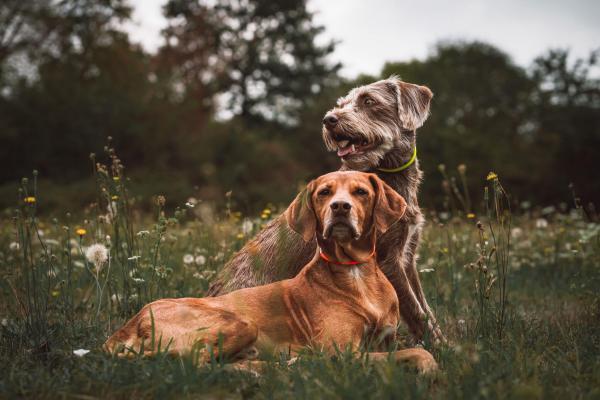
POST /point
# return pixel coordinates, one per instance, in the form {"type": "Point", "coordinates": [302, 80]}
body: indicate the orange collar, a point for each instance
{"type": "Point", "coordinates": [329, 260]}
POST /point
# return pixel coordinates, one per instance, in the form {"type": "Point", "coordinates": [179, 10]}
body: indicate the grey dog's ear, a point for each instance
{"type": "Point", "coordinates": [413, 103]}
{"type": "Point", "coordinates": [300, 215]}
{"type": "Point", "coordinates": [389, 205]}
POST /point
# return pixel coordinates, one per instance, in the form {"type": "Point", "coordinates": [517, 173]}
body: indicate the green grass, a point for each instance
{"type": "Point", "coordinates": [535, 336]}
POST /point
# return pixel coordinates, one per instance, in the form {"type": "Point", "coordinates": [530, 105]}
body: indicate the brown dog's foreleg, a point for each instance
{"type": "Point", "coordinates": [421, 359]}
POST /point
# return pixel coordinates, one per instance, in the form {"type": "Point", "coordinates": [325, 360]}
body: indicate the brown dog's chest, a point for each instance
{"type": "Point", "coordinates": [345, 308]}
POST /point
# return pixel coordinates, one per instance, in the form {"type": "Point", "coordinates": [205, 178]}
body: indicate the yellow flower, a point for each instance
{"type": "Point", "coordinates": [114, 197]}
{"type": "Point", "coordinates": [81, 231]}
{"type": "Point", "coordinates": [29, 200]}
{"type": "Point", "coordinates": [55, 293]}
{"type": "Point", "coordinates": [267, 211]}
{"type": "Point", "coordinates": [491, 176]}
{"type": "Point", "coordinates": [470, 215]}
{"type": "Point", "coordinates": [116, 178]}
{"type": "Point", "coordinates": [240, 235]}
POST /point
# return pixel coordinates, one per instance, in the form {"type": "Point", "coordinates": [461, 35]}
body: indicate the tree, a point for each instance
{"type": "Point", "coordinates": [260, 56]}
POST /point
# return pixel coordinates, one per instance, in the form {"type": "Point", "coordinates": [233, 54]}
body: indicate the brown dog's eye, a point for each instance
{"type": "Point", "coordinates": [360, 192]}
{"type": "Point", "coordinates": [324, 192]}
{"type": "Point", "coordinates": [369, 101]}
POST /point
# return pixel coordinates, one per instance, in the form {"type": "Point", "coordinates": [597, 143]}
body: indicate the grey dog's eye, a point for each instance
{"type": "Point", "coordinates": [324, 192]}
{"type": "Point", "coordinates": [369, 101]}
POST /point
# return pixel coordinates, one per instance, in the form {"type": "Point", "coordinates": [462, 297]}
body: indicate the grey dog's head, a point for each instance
{"type": "Point", "coordinates": [373, 119]}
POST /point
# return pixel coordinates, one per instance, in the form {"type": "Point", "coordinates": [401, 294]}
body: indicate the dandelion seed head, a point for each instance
{"type": "Point", "coordinates": [200, 260]}
{"type": "Point", "coordinates": [97, 254]}
{"type": "Point", "coordinates": [188, 259]}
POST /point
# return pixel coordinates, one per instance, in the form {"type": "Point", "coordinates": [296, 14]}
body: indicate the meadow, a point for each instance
{"type": "Point", "coordinates": [515, 289]}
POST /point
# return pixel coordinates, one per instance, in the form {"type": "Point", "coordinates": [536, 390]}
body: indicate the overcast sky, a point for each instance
{"type": "Point", "coordinates": [371, 32]}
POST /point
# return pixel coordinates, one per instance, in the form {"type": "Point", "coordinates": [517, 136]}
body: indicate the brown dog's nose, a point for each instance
{"type": "Point", "coordinates": [340, 207]}
{"type": "Point", "coordinates": [330, 120]}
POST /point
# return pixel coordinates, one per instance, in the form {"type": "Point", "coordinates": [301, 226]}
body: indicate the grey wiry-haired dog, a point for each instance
{"type": "Point", "coordinates": [373, 129]}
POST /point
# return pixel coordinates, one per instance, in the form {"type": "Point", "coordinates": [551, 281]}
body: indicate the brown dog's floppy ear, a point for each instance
{"type": "Point", "coordinates": [413, 104]}
{"type": "Point", "coordinates": [300, 215]}
{"type": "Point", "coordinates": [389, 205]}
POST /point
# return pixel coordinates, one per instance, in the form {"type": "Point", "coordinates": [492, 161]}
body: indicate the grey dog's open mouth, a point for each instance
{"type": "Point", "coordinates": [347, 145]}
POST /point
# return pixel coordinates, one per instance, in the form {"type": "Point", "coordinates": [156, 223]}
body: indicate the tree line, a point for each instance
{"type": "Point", "coordinates": [233, 100]}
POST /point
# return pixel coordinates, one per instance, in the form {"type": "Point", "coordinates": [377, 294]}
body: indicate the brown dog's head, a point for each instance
{"type": "Point", "coordinates": [345, 206]}
{"type": "Point", "coordinates": [371, 120]}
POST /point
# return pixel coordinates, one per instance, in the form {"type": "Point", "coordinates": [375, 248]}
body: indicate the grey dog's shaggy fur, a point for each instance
{"type": "Point", "coordinates": [380, 121]}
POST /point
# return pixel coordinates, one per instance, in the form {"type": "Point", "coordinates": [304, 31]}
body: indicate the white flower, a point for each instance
{"type": "Point", "coordinates": [80, 352]}
{"type": "Point", "coordinates": [97, 254]}
{"type": "Point", "coordinates": [425, 270]}
{"type": "Point", "coordinates": [40, 233]}
{"type": "Point", "coordinates": [14, 246]}
{"type": "Point", "coordinates": [516, 233]}
{"type": "Point", "coordinates": [188, 259]}
{"type": "Point", "coordinates": [138, 280]}
{"type": "Point", "coordinates": [4, 322]}
{"type": "Point", "coordinates": [247, 226]}
{"type": "Point", "coordinates": [79, 264]}
{"type": "Point", "coordinates": [191, 202]}
{"type": "Point", "coordinates": [143, 233]}
{"type": "Point", "coordinates": [541, 223]}
{"type": "Point", "coordinates": [133, 258]}
{"type": "Point", "coordinates": [52, 242]}
{"type": "Point", "coordinates": [200, 260]}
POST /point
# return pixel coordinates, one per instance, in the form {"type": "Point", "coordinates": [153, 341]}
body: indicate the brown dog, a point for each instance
{"type": "Point", "coordinates": [372, 129]}
{"type": "Point", "coordinates": [337, 297]}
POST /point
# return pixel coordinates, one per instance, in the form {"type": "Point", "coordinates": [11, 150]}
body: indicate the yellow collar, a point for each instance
{"type": "Point", "coordinates": [402, 167]}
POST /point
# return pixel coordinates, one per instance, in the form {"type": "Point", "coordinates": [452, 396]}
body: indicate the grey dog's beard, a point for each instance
{"type": "Point", "coordinates": [369, 159]}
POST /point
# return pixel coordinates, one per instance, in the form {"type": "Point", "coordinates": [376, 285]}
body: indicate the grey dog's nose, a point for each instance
{"type": "Point", "coordinates": [340, 207]}
{"type": "Point", "coordinates": [330, 120]}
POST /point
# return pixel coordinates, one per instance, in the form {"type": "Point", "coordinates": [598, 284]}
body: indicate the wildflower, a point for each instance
{"type": "Point", "coordinates": [200, 260]}
{"type": "Point", "coordinates": [14, 246]}
{"type": "Point", "coordinates": [442, 168]}
{"type": "Point", "coordinates": [138, 280]}
{"type": "Point", "coordinates": [142, 233]}
{"type": "Point", "coordinates": [78, 264]}
{"type": "Point", "coordinates": [80, 352]}
{"type": "Point", "coordinates": [188, 259]}
{"type": "Point", "coordinates": [29, 200]}
{"type": "Point", "coordinates": [240, 235]}
{"type": "Point", "coordinates": [191, 202]}
{"type": "Point", "coordinates": [470, 215]}
{"type": "Point", "coordinates": [97, 254]}
{"type": "Point", "coordinates": [427, 270]}
{"type": "Point", "coordinates": [541, 223]}
{"type": "Point", "coordinates": [4, 322]}
{"type": "Point", "coordinates": [516, 232]}
{"type": "Point", "coordinates": [133, 258]}
{"type": "Point", "coordinates": [491, 176]}
{"type": "Point", "coordinates": [247, 226]}
{"type": "Point", "coordinates": [55, 293]}
{"type": "Point", "coordinates": [80, 231]}
{"type": "Point", "coordinates": [114, 197]}
{"type": "Point", "coordinates": [116, 178]}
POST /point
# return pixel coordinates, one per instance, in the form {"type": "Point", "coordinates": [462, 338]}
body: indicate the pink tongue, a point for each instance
{"type": "Point", "coordinates": [345, 151]}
